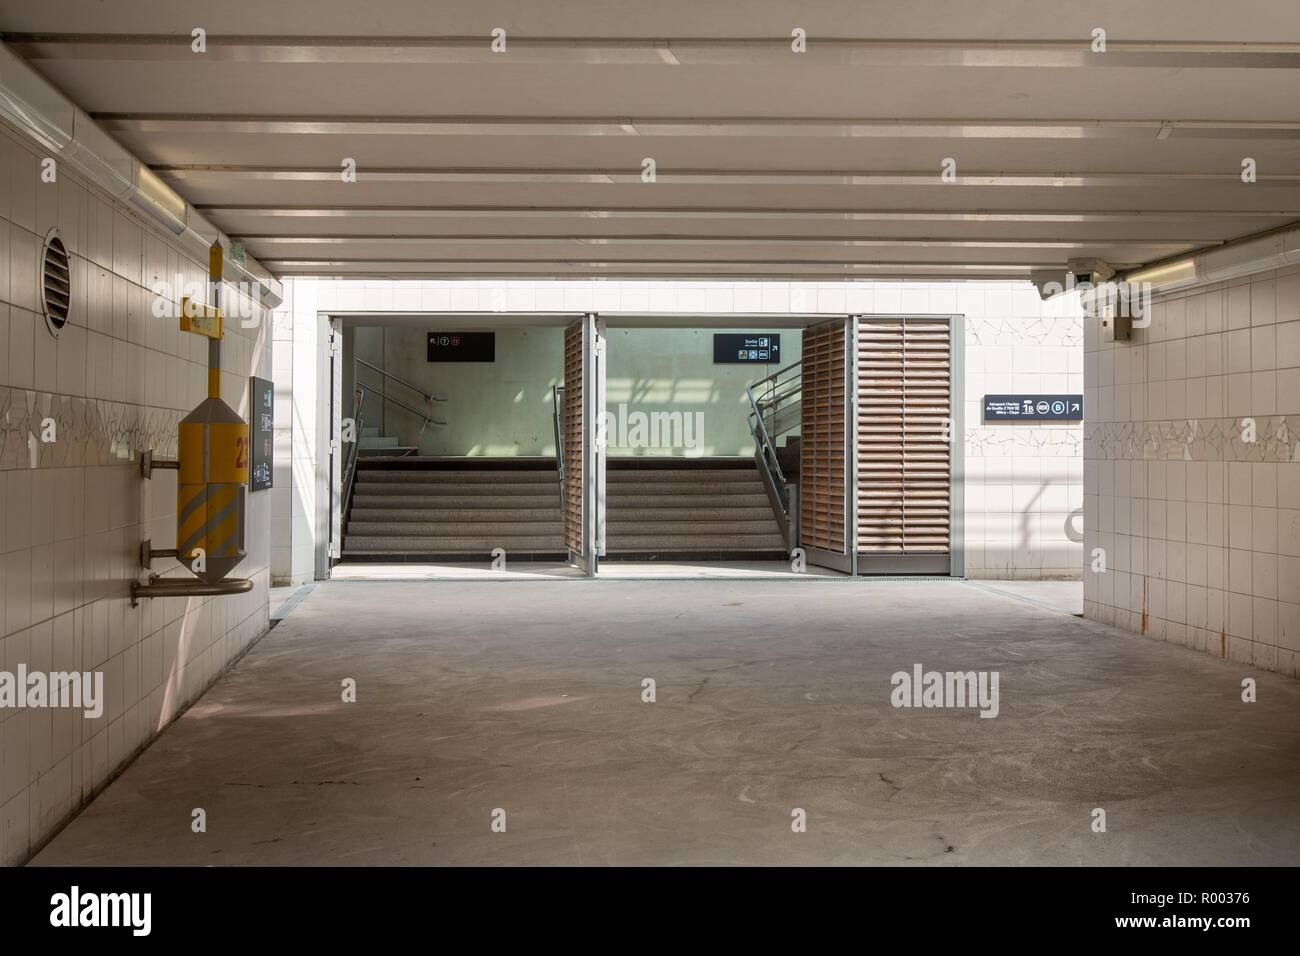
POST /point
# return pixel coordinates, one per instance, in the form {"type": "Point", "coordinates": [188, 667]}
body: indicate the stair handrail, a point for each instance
{"type": "Point", "coordinates": [358, 398]}
{"type": "Point", "coordinates": [414, 411]}
{"type": "Point", "coordinates": [776, 390]}
{"type": "Point", "coordinates": [429, 399]}
{"type": "Point", "coordinates": [763, 439]}
{"type": "Point", "coordinates": [557, 400]}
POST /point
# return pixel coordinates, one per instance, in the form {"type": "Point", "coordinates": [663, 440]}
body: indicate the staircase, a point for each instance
{"type": "Point", "coordinates": [454, 509]}
{"type": "Point", "coordinates": [701, 508]}
{"type": "Point", "coordinates": [371, 444]}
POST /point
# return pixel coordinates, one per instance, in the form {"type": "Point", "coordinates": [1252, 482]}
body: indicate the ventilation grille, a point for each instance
{"type": "Point", "coordinates": [56, 283]}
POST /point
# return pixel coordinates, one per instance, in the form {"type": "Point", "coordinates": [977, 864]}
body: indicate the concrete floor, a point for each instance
{"type": "Point", "coordinates": [771, 696]}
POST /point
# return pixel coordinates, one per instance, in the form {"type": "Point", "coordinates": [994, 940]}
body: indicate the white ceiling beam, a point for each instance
{"type": "Point", "coordinates": [683, 176]}
{"type": "Point", "coordinates": [1172, 245]}
{"type": "Point", "coordinates": [686, 51]}
{"type": "Point", "coordinates": [632, 212]}
{"type": "Point", "coordinates": [733, 126]}
{"type": "Point", "coordinates": [693, 268]}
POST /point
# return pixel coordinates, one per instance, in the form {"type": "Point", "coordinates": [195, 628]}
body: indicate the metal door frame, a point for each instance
{"type": "Point", "coordinates": [593, 445]}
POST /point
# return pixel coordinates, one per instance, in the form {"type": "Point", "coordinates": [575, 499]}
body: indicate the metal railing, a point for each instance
{"type": "Point", "coordinates": [425, 422]}
{"type": "Point", "coordinates": [359, 391]}
{"type": "Point", "coordinates": [774, 404]}
{"type": "Point", "coordinates": [428, 398]}
{"type": "Point", "coordinates": [557, 397]}
{"type": "Point", "coordinates": [350, 473]}
{"type": "Point", "coordinates": [426, 416]}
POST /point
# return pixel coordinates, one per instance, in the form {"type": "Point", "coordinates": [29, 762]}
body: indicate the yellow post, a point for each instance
{"type": "Point", "coordinates": [213, 467]}
{"type": "Point", "coordinates": [216, 267]}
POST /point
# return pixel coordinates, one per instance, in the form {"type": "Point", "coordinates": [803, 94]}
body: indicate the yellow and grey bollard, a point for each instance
{"type": "Point", "coordinates": [213, 457]}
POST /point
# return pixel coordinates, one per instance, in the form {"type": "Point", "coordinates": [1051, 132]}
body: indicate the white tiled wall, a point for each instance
{"type": "Point", "coordinates": [1023, 488]}
{"type": "Point", "coordinates": [73, 512]}
{"type": "Point", "coordinates": [1024, 480]}
{"type": "Point", "coordinates": [301, 338]}
{"type": "Point", "coordinates": [1200, 527]}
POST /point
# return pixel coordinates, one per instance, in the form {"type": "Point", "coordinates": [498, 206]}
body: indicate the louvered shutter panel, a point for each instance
{"type": "Point", "coordinates": [822, 449]}
{"type": "Point", "coordinates": [572, 422]}
{"type": "Point", "coordinates": [904, 455]}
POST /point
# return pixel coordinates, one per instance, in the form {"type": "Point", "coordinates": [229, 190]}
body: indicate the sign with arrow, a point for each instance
{"type": "Point", "coordinates": [1042, 408]}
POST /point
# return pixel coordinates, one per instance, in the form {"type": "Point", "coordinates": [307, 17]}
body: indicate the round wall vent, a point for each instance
{"type": "Point", "coordinates": [56, 282]}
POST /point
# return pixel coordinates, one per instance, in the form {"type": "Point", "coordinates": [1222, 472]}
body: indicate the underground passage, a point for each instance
{"type": "Point", "coordinates": [826, 435]}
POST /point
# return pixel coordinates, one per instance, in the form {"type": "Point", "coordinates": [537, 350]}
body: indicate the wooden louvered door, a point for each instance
{"type": "Point", "coordinates": [824, 447]}
{"type": "Point", "coordinates": [904, 455]}
{"type": "Point", "coordinates": [584, 451]}
{"type": "Point", "coordinates": [573, 440]}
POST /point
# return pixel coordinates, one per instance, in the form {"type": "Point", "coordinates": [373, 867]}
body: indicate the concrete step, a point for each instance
{"type": "Point", "coordinates": [673, 475]}
{"type": "Point", "coordinates": [377, 441]}
{"type": "Point", "coordinates": [712, 500]}
{"type": "Point", "coordinates": [444, 544]}
{"type": "Point", "coordinates": [727, 488]}
{"type": "Point", "coordinates": [496, 530]}
{"type": "Point", "coordinates": [689, 542]}
{"type": "Point", "coordinates": [723, 510]}
{"type": "Point", "coordinates": [397, 451]}
{"type": "Point", "coordinates": [485, 498]}
{"type": "Point", "coordinates": [443, 489]}
{"type": "Point", "coordinates": [432, 476]}
{"type": "Point", "coordinates": [447, 515]}
{"type": "Point", "coordinates": [721, 524]}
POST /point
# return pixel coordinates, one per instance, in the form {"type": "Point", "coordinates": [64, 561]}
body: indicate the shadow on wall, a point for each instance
{"type": "Point", "coordinates": [683, 417]}
{"type": "Point", "coordinates": [1025, 534]}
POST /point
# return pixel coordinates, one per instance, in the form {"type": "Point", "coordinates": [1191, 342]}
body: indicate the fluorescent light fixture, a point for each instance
{"type": "Point", "coordinates": [1262, 253]}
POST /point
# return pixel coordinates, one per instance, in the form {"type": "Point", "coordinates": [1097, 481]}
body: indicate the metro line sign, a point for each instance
{"type": "Point", "coordinates": [1053, 408]}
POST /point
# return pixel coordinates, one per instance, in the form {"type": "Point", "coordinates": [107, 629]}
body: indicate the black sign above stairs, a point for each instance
{"type": "Point", "coordinates": [462, 347]}
{"type": "Point", "coordinates": [733, 348]}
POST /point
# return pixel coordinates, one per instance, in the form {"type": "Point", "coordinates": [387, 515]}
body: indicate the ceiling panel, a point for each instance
{"type": "Point", "coordinates": [768, 162]}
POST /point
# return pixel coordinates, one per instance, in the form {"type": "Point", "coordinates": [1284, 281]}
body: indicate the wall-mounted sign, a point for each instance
{"type": "Point", "coordinates": [462, 346]}
{"type": "Point", "coordinates": [1028, 408]}
{"type": "Point", "coordinates": [261, 414]}
{"type": "Point", "coordinates": [734, 348]}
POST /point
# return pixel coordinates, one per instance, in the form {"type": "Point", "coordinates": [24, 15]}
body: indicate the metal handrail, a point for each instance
{"type": "Point", "coordinates": [400, 381]}
{"type": "Point", "coordinates": [777, 392]}
{"type": "Point", "coordinates": [358, 398]}
{"type": "Point", "coordinates": [557, 399]}
{"type": "Point", "coordinates": [414, 411]}
{"type": "Point", "coordinates": [777, 388]}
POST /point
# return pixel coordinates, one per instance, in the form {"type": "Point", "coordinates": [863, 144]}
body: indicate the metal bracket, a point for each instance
{"type": "Point", "coordinates": [169, 587]}
{"type": "Point", "coordinates": [147, 553]}
{"type": "Point", "coordinates": [148, 463]}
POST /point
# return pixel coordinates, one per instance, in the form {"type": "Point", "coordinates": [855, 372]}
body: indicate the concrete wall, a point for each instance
{"type": "Point", "coordinates": [502, 408]}
{"type": "Point", "coordinates": [1200, 527]}
{"type": "Point", "coordinates": [506, 408]}
{"type": "Point", "coordinates": [73, 511]}
{"type": "Point", "coordinates": [1023, 482]}
{"type": "Point", "coordinates": [301, 489]}
{"type": "Point", "coordinates": [672, 370]}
